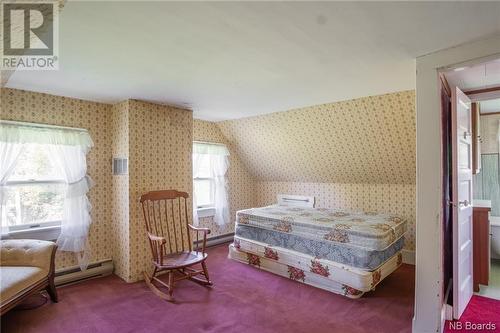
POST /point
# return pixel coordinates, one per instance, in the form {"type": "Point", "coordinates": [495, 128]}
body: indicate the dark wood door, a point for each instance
{"type": "Point", "coordinates": [481, 246]}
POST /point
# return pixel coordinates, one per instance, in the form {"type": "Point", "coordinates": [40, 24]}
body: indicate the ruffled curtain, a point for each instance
{"type": "Point", "coordinates": [75, 225]}
{"type": "Point", "coordinates": [196, 172]}
{"type": "Point", "coordinates": [18, 133]}
{"type": "Point", "coordinates": [68, 148]}
{"type": "Point", "coordinates": [219, 164]}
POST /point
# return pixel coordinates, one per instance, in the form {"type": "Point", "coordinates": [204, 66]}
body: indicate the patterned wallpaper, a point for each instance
{"type": "Point", "coordinates": [156, 138]}
{"type": "Point", "coordinates": [353, 154]}
{"type": "Point", "coordinates": [119, 223]}
{"type": "Point", "coordinates": [396, 199]}
{"type": "Point", "coordinates": [357, 154]}
{"type": "Point", "coordinates": [28, 106]}
{"type": "Point", "coordinates": [369, 140]}
{"type": "Point", "coordinates": [160, 150]}
{"type": "Point", "coordinates": [242, 194]}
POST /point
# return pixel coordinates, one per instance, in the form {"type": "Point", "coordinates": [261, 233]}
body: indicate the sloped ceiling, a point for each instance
{"type": "Point", "coordinates": [365, 140]}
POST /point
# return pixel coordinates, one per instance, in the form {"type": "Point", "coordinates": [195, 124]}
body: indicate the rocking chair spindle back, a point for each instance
{"type": "Point", "coordinates": [169, 234]}
{"type": "Point", "coordinates": [165, 214]}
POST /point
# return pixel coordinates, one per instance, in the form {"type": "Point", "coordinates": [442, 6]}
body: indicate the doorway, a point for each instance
{"type": "Point", "coordinates": [480, 84]}
{"type": "Point", "coordinates": [430, 301]}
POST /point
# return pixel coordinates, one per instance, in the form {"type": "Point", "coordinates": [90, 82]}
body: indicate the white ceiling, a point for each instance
{"type": "Point", "coordinates": [475, 77]}
{"type": "Point", "coordinates": [237, 59]}
{"type": "Point", "coordinates": [490, 106]}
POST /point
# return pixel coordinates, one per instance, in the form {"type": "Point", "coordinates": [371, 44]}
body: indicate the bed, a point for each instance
{"type": "Point", "coordinates": [345, 252]}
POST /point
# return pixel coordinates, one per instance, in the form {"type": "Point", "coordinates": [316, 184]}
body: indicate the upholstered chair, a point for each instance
{"type": "Point", "coordinates": [26, 268]}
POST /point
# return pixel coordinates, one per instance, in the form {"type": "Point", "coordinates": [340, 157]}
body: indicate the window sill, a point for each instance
{"type": "Point", "coordinates": [206, 212]}
{"type": "Point", "coordinates": [44, 233]}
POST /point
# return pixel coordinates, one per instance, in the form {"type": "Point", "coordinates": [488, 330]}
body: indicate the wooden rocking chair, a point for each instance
{"type": "Point", "coordinates": [169, 234]}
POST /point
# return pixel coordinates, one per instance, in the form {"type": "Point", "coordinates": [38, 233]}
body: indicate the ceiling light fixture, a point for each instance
{"type": "Point", "coordinates": [458, 69]}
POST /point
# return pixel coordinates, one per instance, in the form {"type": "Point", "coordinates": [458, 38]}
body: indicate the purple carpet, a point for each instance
{"type": "Point", "coordinates": [482, 314]}
{"type": "Point", "coordinates": [243, 299]}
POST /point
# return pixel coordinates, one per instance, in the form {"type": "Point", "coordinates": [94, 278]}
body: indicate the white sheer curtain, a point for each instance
{"type": "Point", "coordinates": [196, 171]}
{"type": "Point", "coordinates": [9, 154]}
{"type": "Point", "coordinates": [75, 225]}
{"type": "Point", "coordinates": [219, 163]}
{"type": "Point", "coordinates": [68, 148]}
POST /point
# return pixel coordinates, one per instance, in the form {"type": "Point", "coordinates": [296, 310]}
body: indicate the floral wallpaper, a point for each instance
{"type": "Point", "coordinates": [119, 216]}
{"type": "Point", "coordinates": [356, 154]}
{"type": "Point", "coordinates": [160, 150]}
{"type": "Point", "coordinates": [368, 140]}
{"type": "Point", "coordinates": [352, 154]}
{"type": "Point", "coordinates": [157, 139]}
{"type": "Point", "coordinates": [20, 105]}
{"type": "Point", "coordinates": [242, 194]}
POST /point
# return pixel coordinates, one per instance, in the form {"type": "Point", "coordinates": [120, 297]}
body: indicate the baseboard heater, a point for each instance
{"type": "Point", "coordinates": [105, 267]}
{"type": "Point", "coordinates": [213, 241]}
{"type": "Point", "coordinates": [75, 274]}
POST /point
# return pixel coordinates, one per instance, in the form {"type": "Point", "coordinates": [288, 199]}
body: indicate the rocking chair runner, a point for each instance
{"type": "Point", "coordinates": [169, 235]}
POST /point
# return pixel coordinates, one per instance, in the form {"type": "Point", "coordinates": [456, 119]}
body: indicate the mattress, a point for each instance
{"type": "Point", "coordinates": [371, 230]}
{"type": "Point", "coordinates": [363, 240]}
{"type": "Point", "coordinates": [320, 273]}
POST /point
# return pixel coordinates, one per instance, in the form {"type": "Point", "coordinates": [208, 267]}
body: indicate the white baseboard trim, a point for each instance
{"type": "Point", "coordinates": [446, 314]}
{"type": "Point", "coordinates": [213, 241]}
{"type": "Point", "coordinates": [408, 257]}
{"type": "Point", "coordinates": [443, 318]}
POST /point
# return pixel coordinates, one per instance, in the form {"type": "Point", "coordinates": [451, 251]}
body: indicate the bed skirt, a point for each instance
{"type": "Point", "coordinates": [325, 274]}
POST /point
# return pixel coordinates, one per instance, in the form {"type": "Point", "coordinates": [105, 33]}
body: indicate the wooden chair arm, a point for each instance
{"type": "Point", "coordinates": [157, 243]}
{"type": "Point", "coordinates": [155, 238]}
{"type": "Point", "coordinates": [205, 232]}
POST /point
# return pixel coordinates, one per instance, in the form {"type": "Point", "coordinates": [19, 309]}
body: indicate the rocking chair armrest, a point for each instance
{"type": "Point", "coordinates": [155, 238]}
{"type": "Point", "coordinates": [205, 230]}
{"type": "Point", "coordinates": [157, 244]}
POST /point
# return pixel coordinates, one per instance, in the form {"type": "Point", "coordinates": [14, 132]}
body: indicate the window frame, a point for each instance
{"type": "Point", "coordinates": [45, 232]}
{"type": "Point", "coordinates": [212, 195]}
{"type": "Point", "coordinates": [207, 210]}
{"type": "Point", "coordinates": [48, 230]}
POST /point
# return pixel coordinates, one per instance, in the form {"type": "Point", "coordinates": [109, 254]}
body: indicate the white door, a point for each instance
{"type": "Point", "coordinates": [462, 197]}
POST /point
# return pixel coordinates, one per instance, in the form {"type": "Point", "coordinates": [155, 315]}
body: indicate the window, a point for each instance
{"type": "Point", "coordinates": [204, 184]}
{"type": "Point", "coordinates": [210, 198]}
{"type": "Point", "coordinates": [34, 191]}
{"type": "Point", "coordinates": [44, 185]}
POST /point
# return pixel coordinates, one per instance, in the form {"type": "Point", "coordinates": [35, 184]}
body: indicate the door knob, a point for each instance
{"type": "Point", "coordinates": [464, 203]}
